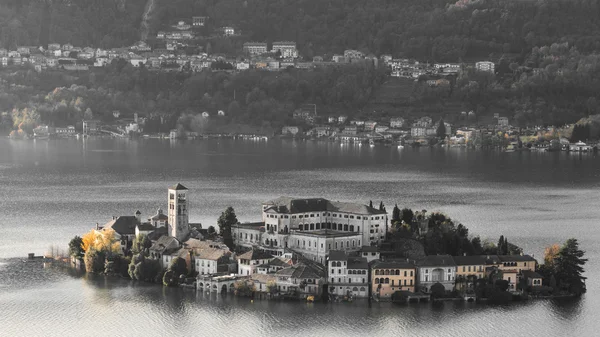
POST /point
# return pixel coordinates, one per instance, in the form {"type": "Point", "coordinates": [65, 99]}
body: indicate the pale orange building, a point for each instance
{"type": "Point", "coordinates": [389, 277]}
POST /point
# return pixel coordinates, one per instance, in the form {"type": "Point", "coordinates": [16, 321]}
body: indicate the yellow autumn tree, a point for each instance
{"type": "Point", "coordinates": [550, 254]}
{"type": "Point", "coordinates": [101, 241]}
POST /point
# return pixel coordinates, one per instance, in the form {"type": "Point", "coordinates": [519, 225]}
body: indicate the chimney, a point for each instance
{"type": "Point", "coordinates": [138, 216]}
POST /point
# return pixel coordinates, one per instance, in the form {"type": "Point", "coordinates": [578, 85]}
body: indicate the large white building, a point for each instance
{"type": "Point", "coordinates": [312, 227]}
{"type": "Point", "coordinates": [287, 49]}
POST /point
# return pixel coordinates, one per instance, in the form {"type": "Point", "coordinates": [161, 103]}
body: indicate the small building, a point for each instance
{"type": "Point", "coordinates": [370, 253]}
{"type": "Point", "coordinates": [249, 261]}
{"type": "Point", "coordinates": [290, 130]}
{"type": "Point", "coordinates": [342, 119]}
{"type": "Point", "coordinates": [299, 281]}
{"type": "Point", "coordinates": [532, 278]}
{"type": "Point", "coordinates": [212, 261]}
{"type": "Point", "coordinates": [396, 122]}
{"type": "Point", "coordinates": [91, 127]}
{"type": "Point", "coordinates": [485, 66]}
{"type": "Point", "coordinates": [228, 31]}
{"type": "Point", "coordinates": [502, 121]}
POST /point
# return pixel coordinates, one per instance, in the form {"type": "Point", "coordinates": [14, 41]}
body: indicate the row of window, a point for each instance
{"type": "Point", "coordinates": [513, 264]}
{"type": "Point", "coordinates": [464, 269]}
{"type": "Point", "coordinates": [349, 280]}
{"type": "Point", "coordinates": [314, 244]}
{"type": "Point", "coordinates": [391, 272]}
{"type": "Point", "coordinates": [329, 225]}
{"type": "Point", "coordinates": [350, 272]}
{"type": "Point", "coordinates": [335, 215]}
{"type": "Point", "coordinates": [387, 281]}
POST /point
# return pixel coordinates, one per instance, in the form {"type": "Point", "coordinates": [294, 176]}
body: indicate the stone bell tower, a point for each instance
{"type": "Point", "coordinates": [178, 212]}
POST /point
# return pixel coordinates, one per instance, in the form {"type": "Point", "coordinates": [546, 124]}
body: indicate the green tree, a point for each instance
{"type": "Point", "coordinates": [371, 203]}
{"type": "Point", "coordinates": [94, 261]}
{"type": "Point", "coordinates": [75, 247]}
{"type": "Point", "coordinates": [225, 221]}
{"type": "Point", "coordinates": [396, 214]}
{"type": "Point", "coordinates": [141, 244]}
{"type": "Point", "coordinates": [407, 215]}
{"type": "Point", "coordinates": [211, 230]}
{"type": "Point", "coordinates": [179, 266]}
{"type": "Point", "coordinates": [441, 130]}
{"type": "Point", "coordinates": [381, 206]}
{"type": "Point", "coordinates": [569, 267]}
{"type": "Point", "coordinates": [438, 290]}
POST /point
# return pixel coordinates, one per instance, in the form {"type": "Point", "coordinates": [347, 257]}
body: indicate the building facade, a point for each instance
{"type": "Point", "coordinates": [286, 48]}
{"type": "Point", "coordinates": [347, 276]}
{"type": "Point", "coordinates": [178, 212]}
{"type": "Point", "coordinates": [436, 269]}
{"type": "Point", "coordinates": [391, 276]}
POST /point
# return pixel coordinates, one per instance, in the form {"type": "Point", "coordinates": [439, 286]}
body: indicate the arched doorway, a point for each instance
{"type": "Point", "coordinates": [224, 289]}
{"type": "Point", "coordinates": [437, 275]}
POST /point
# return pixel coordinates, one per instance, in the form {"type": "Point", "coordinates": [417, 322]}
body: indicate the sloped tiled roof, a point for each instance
{"type": "Point", "coordinates": [299, 271]}
{"type": "Point", "coordinates": [212, 254]}
{"type": "Point", "coordinates": [123, 225]}
{"type": "Point", "coordinates": [255, 255]}
{"type": "Point", "coordinates": [165, 245]}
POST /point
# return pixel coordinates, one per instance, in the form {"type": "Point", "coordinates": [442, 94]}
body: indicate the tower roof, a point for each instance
{"type": "Point", "coordinates": [178, 187]}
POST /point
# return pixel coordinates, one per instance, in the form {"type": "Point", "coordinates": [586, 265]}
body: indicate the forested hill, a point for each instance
{"type": "Point", "coordinates": [435, 30]}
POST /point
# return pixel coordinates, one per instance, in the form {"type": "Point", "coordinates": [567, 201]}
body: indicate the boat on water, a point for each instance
{"type": "Point", "coordinates": [371, 143]}
{"type": "Point", "coordinates": [509, 148]}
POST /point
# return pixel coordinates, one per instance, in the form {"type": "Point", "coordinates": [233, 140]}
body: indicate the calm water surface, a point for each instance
{"type": "Point", "coordinates": [53, 190]}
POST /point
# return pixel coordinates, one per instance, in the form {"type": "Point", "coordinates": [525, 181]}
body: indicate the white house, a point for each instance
{"type": "Point", "coordinates": [436, 269]}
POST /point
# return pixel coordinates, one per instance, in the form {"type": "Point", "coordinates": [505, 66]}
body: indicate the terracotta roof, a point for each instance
{"type": "Point", "coordinates": [178, 187]}
{"type": "Point", "coordinates": [165, 245]}
{"type": "Point", "coordinates": [263, 278]}
{"type": "Point", "coordinates": [299, 271]}
{"type": "Point", "coordinates": [212, 254]}
{"type": "Point", "coordinates": [123, 225]}
{"type": "Point", "coordinates": [255, 255]}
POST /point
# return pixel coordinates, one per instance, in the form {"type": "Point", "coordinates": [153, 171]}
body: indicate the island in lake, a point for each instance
{"type": "Point", "coordinates": [315, 248]}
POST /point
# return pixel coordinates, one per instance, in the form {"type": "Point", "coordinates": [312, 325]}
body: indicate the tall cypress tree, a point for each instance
{"type": "Point", "coordinates": [500, 248]}
{"type": "Point", "coordinates": [396, 214]}
{"type": "Point", "coordinates": [569, 267]}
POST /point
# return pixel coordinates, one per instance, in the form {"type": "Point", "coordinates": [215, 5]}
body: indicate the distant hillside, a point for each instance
{"type": "Point", "coordinates": [434, 30]}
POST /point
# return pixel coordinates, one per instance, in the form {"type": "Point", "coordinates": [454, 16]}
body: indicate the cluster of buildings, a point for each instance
{"type": "Point", "coordinates": [414, 69]}
{"type": "Point", "coordinates": [309, 247]}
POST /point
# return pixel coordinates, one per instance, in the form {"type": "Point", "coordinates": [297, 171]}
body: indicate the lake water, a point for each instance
{"type": "Point", "coordinates": [53, 190]}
